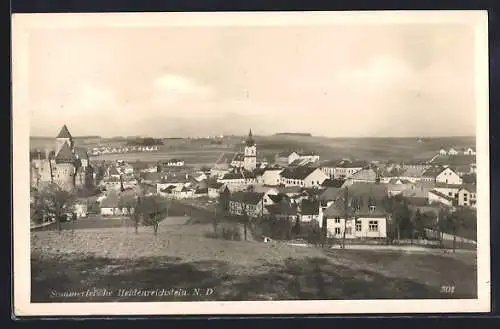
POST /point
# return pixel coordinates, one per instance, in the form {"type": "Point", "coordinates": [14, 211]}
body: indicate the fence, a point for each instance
{"type": "Point", "coordinates": [433, 234]}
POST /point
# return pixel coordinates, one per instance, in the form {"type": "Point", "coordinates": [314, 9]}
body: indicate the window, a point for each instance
{"type": "Point", "coordinates": [337, 220]}
{"type": "Point", "coordinates": [337, 230]}
{"type": "Point", "coordinates": [358, 227]}
{"type": "Point", "coordinates": [450, 193]}
{"type": "Point", "coordinates": [373, 226]}
{"type": "Point", "coordinates": [372, 208]}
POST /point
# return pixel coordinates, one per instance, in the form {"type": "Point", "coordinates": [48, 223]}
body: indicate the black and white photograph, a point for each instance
{"type": "Point", "coordinates": [250, 163]}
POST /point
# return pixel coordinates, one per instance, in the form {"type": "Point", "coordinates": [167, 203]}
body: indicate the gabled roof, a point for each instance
{"type": "Point", "coordinates": [308, 207]}
{"type": "Point", "coordinates": [297, 173]}
{"type": "Point", "coordinates": [364, 197]}
{"type": "Point", "coordinates": [333, 183]}
{"type": "Point", "coordinates": [65, 154]}
{"type": "Point", "coordinates": [290, 189]}
{"type": "Point", "coordinates": [282, 208]}
{"type": "Point", "coordinates": [113, 171]}
{"type": "Point", "coordinates": [278, 197]}
{"type": "Point", "coordinates": [247, 197]}
{"type": "Point", "coordinates": [470, 187]}
{"type": "Point", "coordinates": [81, 153]}
{"type": "Point", "coordinates": [64, 133]}
{"type": "Point", "coordinates": [365, 175]}
{"type": "Point", "coordinates": [433, 172]}
{"type": "Point", "coordinates": [330, 194]}
{"type": "Point", "coordinates": [442, 195]}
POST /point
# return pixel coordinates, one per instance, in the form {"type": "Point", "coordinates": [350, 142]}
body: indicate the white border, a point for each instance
{"type": "Point", "coordinates": [22, 24]}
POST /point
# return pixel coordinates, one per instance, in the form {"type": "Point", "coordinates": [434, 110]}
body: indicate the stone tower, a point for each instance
{"type": "Point", "coordinates": [250, 156]}
{"type": "Point", "coordinates": [64, 161]}
{"type": "Point", "coordinates": [64, 137]}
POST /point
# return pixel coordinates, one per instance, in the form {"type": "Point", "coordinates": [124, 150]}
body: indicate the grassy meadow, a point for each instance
{"type": "Point", "coordinates": [184, 256]}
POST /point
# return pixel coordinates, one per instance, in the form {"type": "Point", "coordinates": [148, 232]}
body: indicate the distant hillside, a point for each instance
{"type": "Point", "coordinates": [293, 134]}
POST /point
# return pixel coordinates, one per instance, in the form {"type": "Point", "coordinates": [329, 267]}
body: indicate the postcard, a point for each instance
{"type": "Point", "coordinates": [250, 163]}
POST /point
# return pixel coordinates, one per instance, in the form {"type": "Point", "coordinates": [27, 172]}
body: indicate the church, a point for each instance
{"type": "Point", "coordinates": [66, 165]}
{"type": "Point", "coordinates": [248, 159]}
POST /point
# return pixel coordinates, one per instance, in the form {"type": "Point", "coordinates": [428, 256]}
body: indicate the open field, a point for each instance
{"type": "Point", "coordinates": [182, 256]}
{"type": "Point", "coordinates": [204, 153]}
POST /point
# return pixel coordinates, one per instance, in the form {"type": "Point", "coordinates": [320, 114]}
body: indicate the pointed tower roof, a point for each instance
{"type": "Point", "coordinates": [65, 154]}
{"type": "Point", "coordinates": [250, 141]}
{"type": "Point", "coordinates": [64, 133]}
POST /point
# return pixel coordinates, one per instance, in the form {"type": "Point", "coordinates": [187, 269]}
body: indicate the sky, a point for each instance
{"type": "Point", "coordinates": [336, 80]}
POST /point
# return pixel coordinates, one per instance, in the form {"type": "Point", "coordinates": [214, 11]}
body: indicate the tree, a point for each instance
{"type": "Point", "coordinates": [418, 223]}
{"type": "Point", "coordinates": [131, 205]}
{"type": "Point", "coordinates": [401, 216]}
{"type": "Point", "coordinates": [58, 202]}
{"type": "Point", "coordinates": [224, 199]}
{"type": "Point", "coordinates": [153, 209]}
{"type": "Point", "coordinates": [38, 210]}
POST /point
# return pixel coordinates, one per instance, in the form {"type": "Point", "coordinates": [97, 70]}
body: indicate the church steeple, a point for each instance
{"type": "Point", "coordinates": [250, 141]}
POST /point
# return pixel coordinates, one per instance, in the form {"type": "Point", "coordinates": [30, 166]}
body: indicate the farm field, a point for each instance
{"type": "Point", "coordinates": [184, 256]}
{"type": "Point", "coordinates": [379, 149]}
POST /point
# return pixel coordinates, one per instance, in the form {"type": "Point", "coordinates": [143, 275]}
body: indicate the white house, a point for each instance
{"type": "Point", "coordinates": [347, 168]}
{"type": "Point", "coordinates": [271, 177]}
{"type": "Point", "coordinates": [214, 190]}
{"type": "Point", "coordinates": [452, 151]}
{"type": "Point", "coordinates": [470, 151]}
{"type": "Point", "coordinates": [369, 219]}
{"type": "Point", "coordinates": [174, 163]}
{"type": "Point", "coordinates": [238, 179]}
{"type": "Point", "coordinates": [467, 196]}
{"type": "Point", "coordinates": [443, 152]}
{"type": "Point", "coordinates": [247, 203]}
{"type": "Point", "coordinates": [438, 197]}
{"type": "Point", "coordinates": [448, 176]}
{"type": "Point", "coordinates": [80, 210]}
{"type": "Point", "coordinates": [115, 205]}
{"type": "Point", "coordinates": [367, 175]}
{"type": "Point", "coordinates": [303, 177]}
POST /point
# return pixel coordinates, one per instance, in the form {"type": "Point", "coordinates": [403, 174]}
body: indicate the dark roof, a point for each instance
{"type": "Point", "coordinates": [201, 191]}
{"type": "Point", "coordinates": [308, 207]}
{"type": "Point", "coordinates": [330, 194]}
{"type": "Point", "coordinates": [282, 208]}
{"type": "Point", "coordinates": [81, 153]}
{"type": "Point", "coordinates": [113, 171]}
{"type": "Point", "coordinates": [442, 195]}
{"type": "Point", "coordinates": [333, 183]}
{"type": "Point", "coordinates": [64, 133]}
{"type": "Point", "coordinates": [297, 173]}
{"type": "Point", "coordinates": [151, 176]}
{"type": "Point", "coordinates": [470, 187]}
{"type": "Point", "coordinates": [278, 197]}
{"type": "Point", "coordinates": [432, 172]}
{"type": "Point", "coordinates": [290, 189]}
{"type": "Point", "coordinates": [352, 164]}
{"type": "Point", "coordinates": [168, 189]}
{"type": "Point", "coordinates": [65, 154]}
{"type": "Point", "coordinates": [454, 160]}
{"type": "Point", "coordinates": [364, 196]}
{"type": "Point", "coordinates": [247, 197]}
{"type": "Point", "coordinates": [215, 185]}
{"type": "Point", "coordinates": [365, 174]}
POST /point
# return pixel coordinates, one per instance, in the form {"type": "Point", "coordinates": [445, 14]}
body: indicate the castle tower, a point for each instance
{"type": "Point", "coordinates": [64, 137]}
{"type": "Point", "coordinates": [250, 155]}
{"type": "Point", "coordinates": [64, 170]}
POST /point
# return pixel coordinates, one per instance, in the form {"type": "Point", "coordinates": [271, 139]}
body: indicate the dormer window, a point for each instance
{"type": "Point", "coordinates": [372, 208]}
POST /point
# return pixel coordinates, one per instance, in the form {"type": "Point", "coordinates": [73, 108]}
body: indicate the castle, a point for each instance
{"type": "Point", "coordinates": [67, 166]}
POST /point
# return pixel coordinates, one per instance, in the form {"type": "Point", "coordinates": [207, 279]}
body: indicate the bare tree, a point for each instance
{"type": "Point", "coordinates": [58, 202]}
{"type": "Point", "coordinates": [153, 209]}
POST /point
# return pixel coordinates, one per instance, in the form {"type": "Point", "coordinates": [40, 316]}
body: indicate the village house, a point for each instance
{"type": "Point", "coordinates": [117, 204]}
{"type": "Point", "coordinates": [282, 211]}
{"type": "Point", "coordinates": [438, 197]}
{"type": "Point", "coordinates": [467, 196]}
{"type": "Point", "coordinates": [308, 211]}
{"type": "Point", "coordinates": [469, 151]}
{"type": "Point", "coordinates": [214, 189]}
{"type": "Point", "coordinates": [443, 152]}
{"type": "Point", "coordinates": [238, 160]}
{"type": "Point", "coordinates": [247, 203]}
{"type": "Point", "coordinates": [346, 168]}
{"type": "Point", "coordinates": [366, 175]}
{"type": "Point", "coordinates": [396, 186]}
{"type": "Point", "coordinates": [443, 175]}
{"type": "Point", "coordinates": [307, 156]}
{"type": "Point", "coordinates": [452, 151]}
{"type": "Point", "coordinates": [415, 175]}
{"type": "Point", "coordinates": [113, 172]}
{"type": "Point", "coordinates": [338, 183]}
{"type": "Point", "coordinates": [418, 193]}
{"type": "Point", "coordinates": [417, 164]}
{"type": "Point", "coordinates": [328, 168]}
{"type": "Point", "coordinates": [235, 179]}
{"type": "Point", "coordinates": [303, 176]}
{"type": "Point", "coordinates": [271, 177]}
{"type": "Point", "coordinates": [368, 218]}
{"type": "Point", "coordinates": [173, 163]}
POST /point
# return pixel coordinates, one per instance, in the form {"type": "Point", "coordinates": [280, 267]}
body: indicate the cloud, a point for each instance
{"type": "Point", "coordinates": [90, 98]}
{"type": "Point", "coordinates": [170, 89]}
{"type": "Point", "coordinates": [381, 72]}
